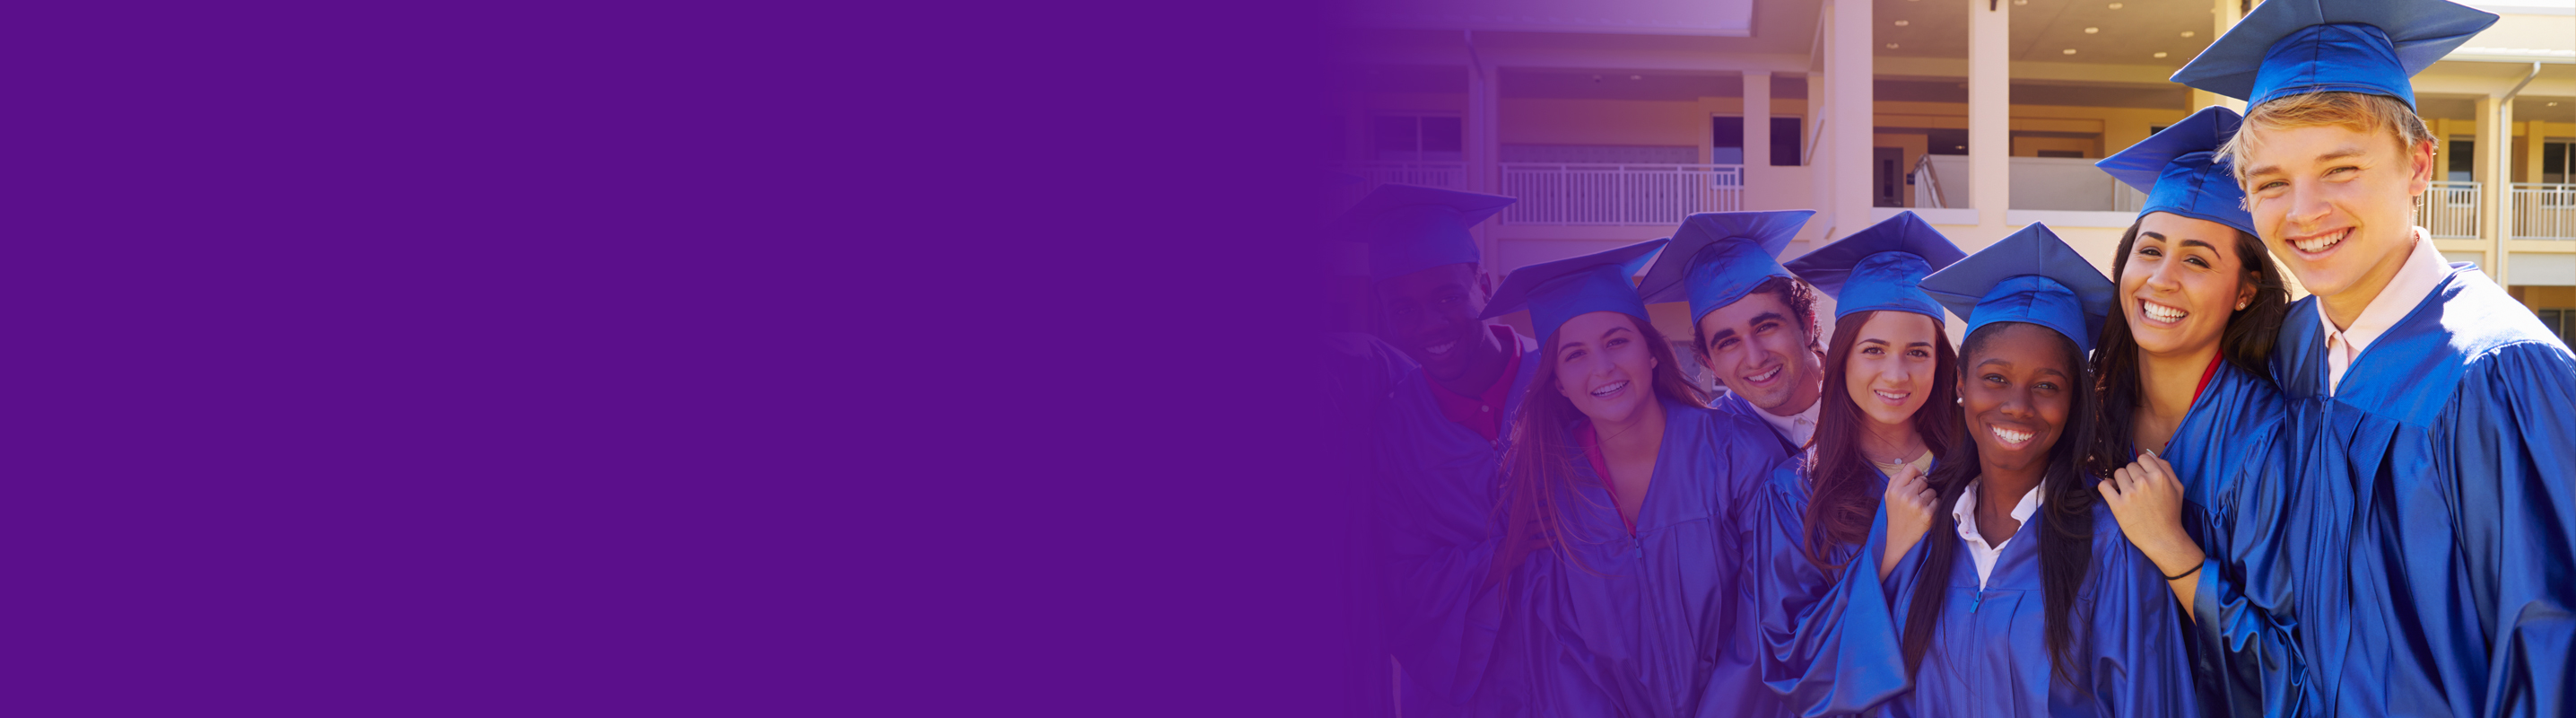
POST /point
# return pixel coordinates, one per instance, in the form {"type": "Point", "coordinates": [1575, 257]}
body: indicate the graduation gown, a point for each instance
{"type": "Point", "coordinates": [1733, 404]}
{"type": "Point", "coordinates": [2226, 454]}
{"type": "Point", "coordinates": [1434, 493]}
{"type": "Point", "coordinates": [1989, 653]}
{"type": "Point", "coordinates": [2432, 539]}
{"type": "Point", "coordinates": [1639, 627]}
{"type": "Point", "coordinates": [1788, 594]}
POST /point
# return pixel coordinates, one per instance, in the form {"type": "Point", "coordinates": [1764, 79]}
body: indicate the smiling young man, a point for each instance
{"type": "Point", "coordinates": [1752, 322]}
{"type": "Point", "coordinates": [2420, 560]}
{"type": "Point", "coordinates": [1438, 436]}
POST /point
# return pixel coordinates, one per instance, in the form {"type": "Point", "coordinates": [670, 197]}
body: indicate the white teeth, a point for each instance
{"type": "Point", "coordinates": [2010, 436]}
{"type": "Point", "coordinates": [1766, 376]}
{"type": "Point", "coordinates": [2163, 313]}
{"type": "Point", "coordinates": [2319, 244]}
{"type": "Point", "coordinates": [1611, 389]}
{"type": "Point", "coordinates": [1888, 396]}
{"type": "Point", "coordinates": [1441, 348]}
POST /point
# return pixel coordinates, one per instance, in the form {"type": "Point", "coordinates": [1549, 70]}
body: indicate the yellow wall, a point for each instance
{"type": "Point", "coordinates": [2546, 297]}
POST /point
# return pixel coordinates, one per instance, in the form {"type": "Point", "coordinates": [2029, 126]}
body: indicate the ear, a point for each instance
{"type": "Point", "coordinates": [1485, 286]}
{"type": "Point", "coordinates": [2422, 156]}
{"type": "Point", "coordinates": [2245, 293]}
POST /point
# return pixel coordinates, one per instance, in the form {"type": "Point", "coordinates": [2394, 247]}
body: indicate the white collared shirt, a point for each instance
{"type": "Point", "coordinates": [2416, 278]}
{"type": "Point", "coordinates": [1966, 512]}
{"type": "Point", "coordinates": [1798, 428]}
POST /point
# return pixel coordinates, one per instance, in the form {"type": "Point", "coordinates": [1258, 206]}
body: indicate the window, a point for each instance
{"type": "Point", "coordinates": [1728, 141]}
{"type": "Point", "coordinates": [2555, 159]}
{"type": "Point", "coordinates": [1397, 138]}
{"type": "Point", "coordinates": [2464, 161]}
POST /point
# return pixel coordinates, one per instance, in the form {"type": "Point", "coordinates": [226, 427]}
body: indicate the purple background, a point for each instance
{"type": "Point", "coordinates": [619, 360]}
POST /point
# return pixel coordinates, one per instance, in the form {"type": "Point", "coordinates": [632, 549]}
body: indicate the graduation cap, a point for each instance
{"type": "Point", "coordinates": [1880, 268]}
{"type": "Point", "coordinates": [1567, 288]}
{"type": "Point", "coordinates": [2289, 47]}
{"type": "Point", "coordinates": [2182, 172]}
{"type": "Point", "coordinates": [2031, 276]}
{"type": "Point", "coordinates": [1718, 257]}
{"type": "Point", "coordinates": [1409, 228]}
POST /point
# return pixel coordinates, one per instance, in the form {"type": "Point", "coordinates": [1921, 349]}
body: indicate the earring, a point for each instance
{"type": "Point", "coordinates": [2240, 306]}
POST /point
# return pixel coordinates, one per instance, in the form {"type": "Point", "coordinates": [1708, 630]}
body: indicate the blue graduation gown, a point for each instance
{"type": "Point", "coordinates": [1434, 493]}
{"type": "Point", "coordinates": [1989, 654]}
{"type": "Point", "coordinates": [2432, 539]}
{"type": "Point", "coordinates": [2226, 454]}
{"type": "Point", "coordinates": [1639, 628]}
{"type": "Point", "coordinates": [1789, 595]}
{"type": "Point", "coordinates": [1733, 404]}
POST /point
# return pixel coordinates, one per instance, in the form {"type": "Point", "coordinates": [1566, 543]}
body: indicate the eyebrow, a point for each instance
{"type": "Point", "coordinates": [1572, 343]}
{"type": "Point", "coordinates": [2338, 153]}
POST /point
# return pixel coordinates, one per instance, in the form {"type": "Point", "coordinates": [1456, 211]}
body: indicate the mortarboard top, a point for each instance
{"type": "Point", "coordinates": [2182, 173]}
{"type": "Point", "coordinates": [2290, 47]}
{"type": "Point", "coordinates": [1718, 257]}
{"type": "Point", "coordinates": [1567, 288]}
{"type": "Point", "coordinates": [1880, 268]}
{"type": "Point", "coordinates": [2030, 276]}
{"type": "Point", "coordinates": [1409, 229]}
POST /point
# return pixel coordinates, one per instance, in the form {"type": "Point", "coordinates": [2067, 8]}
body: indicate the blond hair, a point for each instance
{"type": "Point", "coordinates": [2366, 113]}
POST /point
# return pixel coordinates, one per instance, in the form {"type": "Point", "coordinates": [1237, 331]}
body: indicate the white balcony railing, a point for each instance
{"type": "Point", "coordinates": [2449, 210]}
{"type": "Point", "coordinates": [1618, 194]}
{"type": "Point", "coordinates": [2544, 211]}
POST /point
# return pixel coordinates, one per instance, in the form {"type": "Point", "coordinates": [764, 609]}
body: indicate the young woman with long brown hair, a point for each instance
{"type": "Point", "coordinates": [1889, 409]}
{"type": "Point", "coordinates": [2189, 411]}
{"type": "Point", "coordinates": [1618, 497]}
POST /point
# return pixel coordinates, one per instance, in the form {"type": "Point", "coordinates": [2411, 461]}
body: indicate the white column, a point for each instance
{"type": "Point", "coordinates": [1483, 148]}
{"type": "Point", "coordinates": [2494, 174]}
{"type": "Point", "coordinates": [1757, 133]}
{"type": "Point", "coordinates": [1848, 62]}
{"type": "Point", "coordinates": [1990, 113]}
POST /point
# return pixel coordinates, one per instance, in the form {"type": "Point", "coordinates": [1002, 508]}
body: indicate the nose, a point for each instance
{"type": "Point", "coordinates": [2016, 404]}
{"type": "Point", "coordinates": [2161, 278]}
{"type": "Point", "coordinates": [2307, 206]}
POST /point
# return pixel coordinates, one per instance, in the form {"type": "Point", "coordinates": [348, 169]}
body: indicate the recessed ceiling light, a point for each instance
{"type": "Point", "coordinates": [1903, 23]}
{"type": "Point", "coordinates": [2021, 2]}
{"type": "Point", "coordinates": [2553, 104]}
{"type": "Point", "coordinates": [2070, 51]}
{"type": "Point", "coordinates": [2115, 6]}
{"type": "Point", "coordinates": [1636, 77]}
{"type": "Point", "coordinates": [2160, 54]}
{"type": "Point", "coordinates": [2188, 33]}
{"type": "Point", "coordinates": [1958, 147]}
{"type": "Point", "coordinates": [2092, 30]}
{"type": "Point", "coordinates": [1891, 46]}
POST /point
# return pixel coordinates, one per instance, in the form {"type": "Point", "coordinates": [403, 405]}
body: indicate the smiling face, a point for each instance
{"type": "Point", "coordinates": [1432, 316]}
{"type": "Point", "coordinates": [1604, 367]}
{"type": "Point", "coordinates": [2015, 389]}
{"type": "Point", "coordinates": [1889, 373]}
{"type": "Point", "coordinates": [1760, 349]}
{"type": "Point", "coordinates": [2336, 203]}
{"type": "Point", "coordinates": [2181, 282]}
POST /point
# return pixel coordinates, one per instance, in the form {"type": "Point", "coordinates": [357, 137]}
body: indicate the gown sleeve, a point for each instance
{"type": "Point", "coordinates": [2241, 634]}
{"type": "Point", "coordinates": [2140, 670]}
{"type": "Point", "coordinates": [1434, 519]}
{"type": "Point", "coordinates": [2514, 440]}
{"type": "Point", "coordinates": [1847, 651]}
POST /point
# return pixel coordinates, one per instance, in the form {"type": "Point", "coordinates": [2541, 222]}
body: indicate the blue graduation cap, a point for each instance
{"type": "Point", "coordinates": [1718, 257]}
{"type": "Point", "coordinates": [2031, 276]}
{"type": "Point", "coordinates": [2289, 47]}
{"type": "Point", "coordinates": [1567, 288]}
{"type": "Point", "coordinates": [1880, 268]}
{"type": "Point", "coordinates": [1409, 228]}
{"type": "Point", "coordinates": [2182, 173]}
